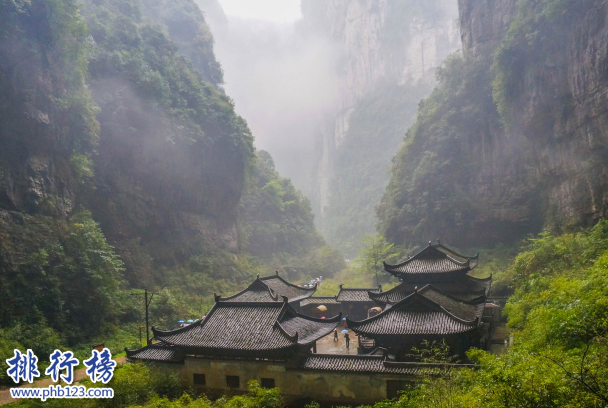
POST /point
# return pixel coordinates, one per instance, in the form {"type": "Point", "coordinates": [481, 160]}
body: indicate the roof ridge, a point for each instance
{"type": "Point", "coordinates": [322, 297]}
{"type": "Point", "coordinates": [336, 318]}
{"type": "Point", "coordinates": [251, 303]}
{"type": "Point", "coordinates": [440, 245]}
{"type": "Point", "coordinates": [361, 356]}
{"type": "Point", "coordinates": [150, 346]}
{"type": "Point", "coordinates": [431, 246]}
{"type": "Point", "coordinates": [293, 338]}
{"type": "Point", "coordinates": [390, 291]}
{"type": "Point", "coordinates": [268, 288]}
{"type": "Point", "coordinates": [417, 296]}
{"type": "Point", "coordinates": [162, 333]}
{"type": "Point", "coordinates": [451, 314]}
{"type": "Point", "coordinates": [460, 319]}
{"type": "Point", "coordinates": [430, 286]}
{"type": "Point", "coordinates": [376, 288]}
{"type": "Point", "coordinates": [275, 276]}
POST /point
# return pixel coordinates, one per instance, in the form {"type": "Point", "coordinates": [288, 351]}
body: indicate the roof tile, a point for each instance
{"type": "Point", "coordinates": [356, 294]}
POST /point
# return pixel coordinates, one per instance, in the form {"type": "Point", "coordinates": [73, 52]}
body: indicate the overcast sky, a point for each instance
{"type": "Point", "coordinates": [275, 10]}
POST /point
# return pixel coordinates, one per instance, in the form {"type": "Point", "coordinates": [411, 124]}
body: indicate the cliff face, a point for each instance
{"type": "Point", "coordinates": [556, 99]}
{"type": "Point", "coordinates": [390, 48]}
{"type": "Point", "coordinates": [172, 153]}
{"type": "Point", "coordinates": [484, 23]}
{"type": "Point", "coordinates": [534, 154]}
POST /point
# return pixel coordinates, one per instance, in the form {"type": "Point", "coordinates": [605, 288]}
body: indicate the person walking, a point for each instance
{"type": "Point", "coordinates": [336, 335]}
{"type": "Point", "coordinates": [347, 338]}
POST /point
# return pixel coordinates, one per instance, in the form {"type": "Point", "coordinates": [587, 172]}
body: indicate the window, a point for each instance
{"type": "Point", "coordinates": [199, 379]}
{"type": "Point", "coordinates": [233, 381]}
{"type": "Point", "coordinates": [268, 383]}
{"type": "Point", "coordinates": [394, 388]}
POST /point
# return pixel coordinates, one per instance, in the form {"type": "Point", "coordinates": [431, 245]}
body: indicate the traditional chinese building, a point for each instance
{"type": "Point", "coordinates": [272, 289]}
{"type": "Point", "coordinates": [250, 329]}
{"type": "Point", "coordinates": [273, 344]}
{"type": "Point", "coordinates": [356, 302]}
{"type": "Point", "coordinates": [320, 306]}
{"type": "Point", "coordinates": [258, 334]}
{"type": "Point", "coordinates": [436, 300]}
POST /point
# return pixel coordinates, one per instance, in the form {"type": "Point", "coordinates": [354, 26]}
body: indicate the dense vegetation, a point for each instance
{"type": "Point", "coordinates": [559, 321]}
{"type": "Point", "coordinates": [137, 385]}
{"type": "Point", "coordinates": [558, 316]}
{"type": "Point", "coordinates": [500, 140]}
{"type": "Point", "coordinates": [428, 195]}
{"type": "Point", "coordinates": [123, 166]}
{"type": "Point", "coordinates": [172, 151]}
{"type": "Point", "coordinates": [278, 226]}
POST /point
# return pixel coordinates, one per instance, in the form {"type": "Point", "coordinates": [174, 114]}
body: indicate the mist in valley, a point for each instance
{"type": "Point", "coordinates": [283, 81]}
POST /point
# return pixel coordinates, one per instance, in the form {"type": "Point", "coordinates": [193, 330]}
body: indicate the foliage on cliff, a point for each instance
{"type": "Point", "coordinates": [537, 35]}
{"type": "Point", "coordinates": [559, 319]}
{"type": "Point", "coordinates": [429, 192]}
{"type": "Point", "coordinates": [512, 142]}
{"type": "Point", "coordinates": [278, 226]}
{"type": "Point", "coordinates": [48, 117]}
{"type": "Point", "coordinates": [122, 165]}
{"type": "Point", "coordinates": [54, 261]}
{"type": "Point", "coordinates": [173, 154]}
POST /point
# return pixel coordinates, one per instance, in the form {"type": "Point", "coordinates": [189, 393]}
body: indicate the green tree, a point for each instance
{"type": "Point", "coordinates": [375, 249]}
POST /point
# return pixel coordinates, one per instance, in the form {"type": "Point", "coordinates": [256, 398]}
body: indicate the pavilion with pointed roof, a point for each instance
{"type": "Point", "coordinates": [426, 314]}
{"type": "Point", "coordinates": [436, 299]}
{"type": "Point", "coordinates": [435, 263]}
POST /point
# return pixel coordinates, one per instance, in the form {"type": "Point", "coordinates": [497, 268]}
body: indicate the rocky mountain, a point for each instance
{"type": "Point", "coordinates": [124, 165]}
{"type": "Point", "coordinates": [513, 139]}
{"type": "Point", "coordinates": [389, 53]}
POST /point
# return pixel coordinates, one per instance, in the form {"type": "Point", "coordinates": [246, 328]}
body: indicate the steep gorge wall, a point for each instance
{"type": "Point", "coordinates": [390, 50]}
{"type": "Point", "coordinates": [555, 103]}
{"type": "Point", "coordinates": [533, 153]}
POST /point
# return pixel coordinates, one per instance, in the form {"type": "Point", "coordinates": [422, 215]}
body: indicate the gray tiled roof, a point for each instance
{"type": "Point", "coordinates": [154, 352]}
{"type": "Point", "coordinates": [462, 309]}
{"type": "Point", "coordinates": [415, 314]}
{"type": "Point", "coordinates": [319, 300]}
{"type": "Point", "coordinates": [284, 288]}
{"type": "Point", "coordinates": [307, 328]}
{"type": "Point", "coordinates": [434, 259]}
{"type": "Point", "coordinates": [465, 288]}
{"type": "Point", "coordinates": [270, 289]}
{"type": "Point", "coordinates": [356, 294]}
{"type": "Point", "coordinates": [363, 364]}
{"type": "Point", "coordinates": [253, 326]}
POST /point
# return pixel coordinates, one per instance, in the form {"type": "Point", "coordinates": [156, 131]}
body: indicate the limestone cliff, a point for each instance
{"type": "Point", "coordinates": [513, 139]}
{"type": "Point", "coordinates": [390, 49]}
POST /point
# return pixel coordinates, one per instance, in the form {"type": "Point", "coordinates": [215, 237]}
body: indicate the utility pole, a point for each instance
{"type": "Point", "coordinates": [147, 304]}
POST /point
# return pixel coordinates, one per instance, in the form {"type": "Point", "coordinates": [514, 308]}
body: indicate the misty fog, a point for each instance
{"type": "Point", "coordinates": [282, 81]}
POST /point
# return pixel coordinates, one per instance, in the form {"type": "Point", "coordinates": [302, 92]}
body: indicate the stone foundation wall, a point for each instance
{"type": "Point", "coordinates": [322, 386]}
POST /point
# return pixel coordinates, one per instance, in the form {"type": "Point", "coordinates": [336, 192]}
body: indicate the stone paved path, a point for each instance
{"type": "Point", "coordinates": [327, 345]}
{"type": "Point", "coordinates": [5, 395]}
